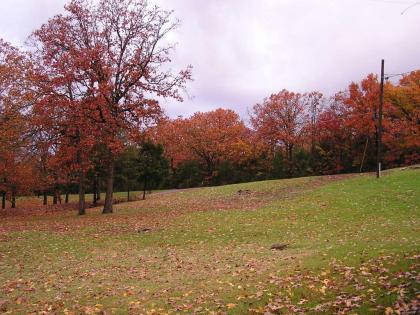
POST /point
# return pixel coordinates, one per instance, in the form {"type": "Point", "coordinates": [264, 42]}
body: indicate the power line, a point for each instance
{"type": "Point", "coordinates": [410, 3]}
{"type": "Point", "coordinates": [413, 5]}
{"type": "Point", "coordinates": [392, 1]}
{"type": "Point", "coordinates": [401, 3]}
{"type": "Point", "coordinates": [392, 75]}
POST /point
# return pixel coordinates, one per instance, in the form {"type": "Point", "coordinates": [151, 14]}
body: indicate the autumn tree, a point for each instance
{"type": "Point", "coordinates": [202, 147]}
{"type": "Point", "coordinates": [281, 122]}
{"type": "Point", "coordinates": [216, 136]}
{"type": "Point", "coordinates": [362, 112]}
{"type": "Point", "coordinates": [15, 98]}
{"type": "Point", "coordinates": [333, 149]}
{"type": "Point", "coordinates": [402, 136]}
{"type": "Point", "coordinates": [115, 48]}
{"type": "Point", "coordinates": [362, 101]}
{"type": "Point", "coordinates": [61, 116]}
{"type": "Point", "coordinates": [171, 134]}
{"type": "Point", "coordinates": [315, 103]}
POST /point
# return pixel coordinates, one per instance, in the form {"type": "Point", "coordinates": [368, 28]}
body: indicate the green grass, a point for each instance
{"type": "Point", "coordinates": [209, 250]}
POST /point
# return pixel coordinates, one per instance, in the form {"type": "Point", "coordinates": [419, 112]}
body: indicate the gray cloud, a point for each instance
{"type": "Point", "coordinates": [244, 50]}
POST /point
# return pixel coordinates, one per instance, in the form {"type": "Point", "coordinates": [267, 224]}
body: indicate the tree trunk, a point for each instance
{"type": "Point", "coordinates": [209, 168]}
{"type": "Point", "coordinates": [45, 201]}
{"type": "Point", "coordinates": [98, 191]}
{"type": "Point", "coordinates": [109, 188]}
{"type": "Point", "coordinates": [95, 191]}
{"type": "Point", "coordinates": [144, 189]}
{"type": "Point", "coordinates": [67, 197]}
{"type": "Point", "coordinates": [55, 196]}
{"type": "Point", "coordinates": [290, 159]}
{"type": "Point", "coordinates": [128, 193]}
{"type": "Point", "coordinates": [364, 154]}
{"type": "Point", "coordinates": [3, 200]}
{"type": "Point", "coordinates": [13, 198]}
{"type": "Point", "coordinates": [173, 166]}
{"type": "Point", "coordinates": [82, 204]}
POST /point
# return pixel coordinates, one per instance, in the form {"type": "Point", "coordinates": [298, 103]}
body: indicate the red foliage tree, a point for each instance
{"type": "Point", "coordinates": [15, 96]}
{"type": "Point", "coordinates": [62, 116]}
{"type": "Point", "coordinates": [362, 110]}
{"type": "Point", "coordinates": [362, 101]}
{"type": "Point", "coordinates": [334, 141]}
{"type": "Point", "coordinates": [171, 134]}
{"type": "Point", "coordinates": [113, 50]}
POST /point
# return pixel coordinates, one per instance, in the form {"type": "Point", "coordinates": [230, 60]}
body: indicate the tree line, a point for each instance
{"type": "Point", "coordinates": [79, 112]}
{"type": "Point", "coordinates": [296, 134]}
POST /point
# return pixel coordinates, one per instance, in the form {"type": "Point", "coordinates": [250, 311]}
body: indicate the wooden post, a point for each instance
{"type": "Point", "coordinates": [381, 104]}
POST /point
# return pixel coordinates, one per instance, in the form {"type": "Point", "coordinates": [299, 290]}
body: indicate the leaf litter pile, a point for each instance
{"type": "Point", "coordinates": [351, 246]}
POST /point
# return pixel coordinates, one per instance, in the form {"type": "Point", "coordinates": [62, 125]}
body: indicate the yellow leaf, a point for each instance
{"type": "Point", "coordinates": [389, 311]}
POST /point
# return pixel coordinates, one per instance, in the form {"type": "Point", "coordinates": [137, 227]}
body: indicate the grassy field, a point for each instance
{"type": "Point", "coordinates": [353, 247]}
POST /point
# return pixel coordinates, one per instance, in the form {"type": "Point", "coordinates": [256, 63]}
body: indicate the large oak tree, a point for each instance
{"type": "Point", "coordinates": [115, 52]}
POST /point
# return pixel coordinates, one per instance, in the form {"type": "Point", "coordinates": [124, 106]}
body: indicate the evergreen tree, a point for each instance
{"type": "Point", "coordinates": [152, 166]}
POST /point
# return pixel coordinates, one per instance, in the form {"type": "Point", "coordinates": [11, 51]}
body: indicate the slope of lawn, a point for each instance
{"type": "Point", "coordinates": [353, 247]}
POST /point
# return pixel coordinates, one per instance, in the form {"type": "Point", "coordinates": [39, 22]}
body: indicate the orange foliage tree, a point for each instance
{"type": "Point", "coordinates": [282, 121]}
{"type": "Point", "coordinates": [209, 138]}
{"type": "Point", "coordinates": [216, 136]}
{"type": "Point", "coordinates": [402, 136]}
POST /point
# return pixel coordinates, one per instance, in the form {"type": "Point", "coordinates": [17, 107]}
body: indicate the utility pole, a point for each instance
{"type": "Point", "coordinates": [381, 104]}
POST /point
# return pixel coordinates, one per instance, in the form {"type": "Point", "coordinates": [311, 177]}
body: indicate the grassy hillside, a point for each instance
{"type": "Point", "coordinates": [353, 247]}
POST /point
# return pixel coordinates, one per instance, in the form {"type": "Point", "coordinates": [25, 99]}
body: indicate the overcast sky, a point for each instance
{"type": "Point", "coordinates": [244, 50]}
